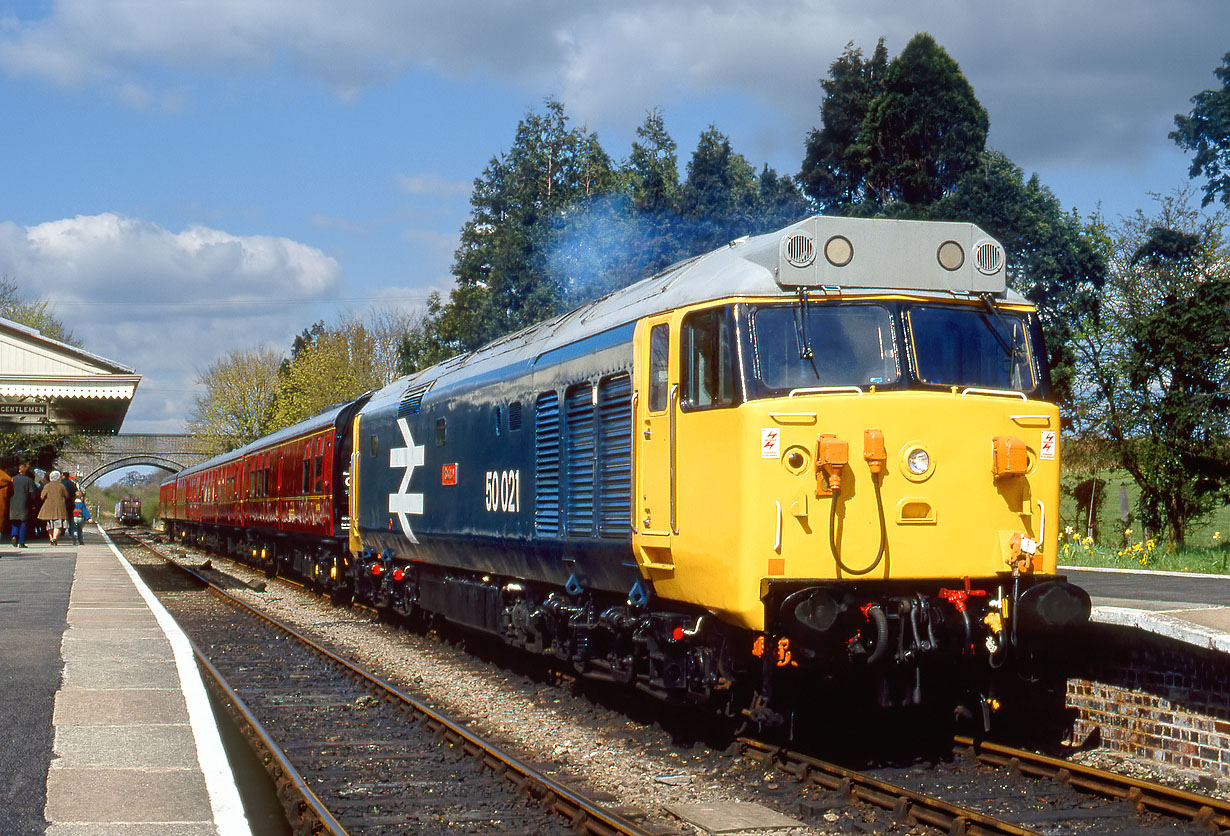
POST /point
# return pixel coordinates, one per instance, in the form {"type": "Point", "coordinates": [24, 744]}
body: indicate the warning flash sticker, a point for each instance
{"type": "Point", "coordinates": [770, 443]}
{"type": "Point", "coordinates": [1046, 446]}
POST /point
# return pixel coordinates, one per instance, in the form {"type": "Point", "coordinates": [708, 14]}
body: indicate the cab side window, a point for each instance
{"type": "Point", "coordinates": [659, 369]}
{"type": "Point", "coordinates": [708, 359]}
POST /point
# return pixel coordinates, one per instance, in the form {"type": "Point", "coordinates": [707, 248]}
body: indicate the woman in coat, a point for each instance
{"type": "Point", "coordinates": [6, 495]}
{"type": "Point", "coordinates": [54, 509]}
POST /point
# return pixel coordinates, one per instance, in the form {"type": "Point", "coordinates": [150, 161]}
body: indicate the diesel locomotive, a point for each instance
{"type": "Point", "coordinates": [820, 461]}
{"type": "Point", "coordinates": [128, 511]}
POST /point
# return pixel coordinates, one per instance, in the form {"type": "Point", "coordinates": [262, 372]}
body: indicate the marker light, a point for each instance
{"type": "Point", "coordinates": [377, 570]}
{"type": "Point", "coordinates": [399, 574]}
{"type": "Point", "coordinates": [677, 633]}
{"type": "Point", "coordinates": [918, 461]}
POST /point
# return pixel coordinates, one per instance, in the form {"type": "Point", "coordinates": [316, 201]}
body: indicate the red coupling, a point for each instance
{"type": "Point", "coordinates": [377, 570]}
{"type": "Point", "coordinates": [399, 574]}
{"type": "Point", "coordinates": [959, 597]}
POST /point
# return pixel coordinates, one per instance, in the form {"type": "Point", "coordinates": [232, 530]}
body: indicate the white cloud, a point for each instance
{"type": "Point", "coordinates": [1090, 81]}
{"type": "Point", "coordinates": [167, 303]}
{"type": "Point", "coordinates": [138, 260]}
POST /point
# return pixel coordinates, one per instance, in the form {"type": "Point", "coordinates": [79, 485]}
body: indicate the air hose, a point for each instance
{"type": "Point", "coordinates": [833, 532]}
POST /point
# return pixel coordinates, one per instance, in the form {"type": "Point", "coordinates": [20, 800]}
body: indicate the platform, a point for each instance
{"type": "Point", "coordinates": [1185, 606]}
{"type": "Point", "coordinates": [104, 720]}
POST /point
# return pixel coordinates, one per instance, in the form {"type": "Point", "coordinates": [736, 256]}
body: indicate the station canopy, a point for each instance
{"type": "Point", "coordinates": [46, 382]}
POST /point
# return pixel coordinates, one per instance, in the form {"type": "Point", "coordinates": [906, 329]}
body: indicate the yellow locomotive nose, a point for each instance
{"type": "Point", "coordinates": [934, 498]}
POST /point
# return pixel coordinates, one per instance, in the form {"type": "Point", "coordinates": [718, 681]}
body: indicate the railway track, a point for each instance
{"type": "Point", "coordinates": [1026, 794]}
{"type": "Point", "coordinates": [351, 753]}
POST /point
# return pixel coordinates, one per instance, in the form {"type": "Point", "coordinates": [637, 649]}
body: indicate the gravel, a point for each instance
{"type": "Point", "coordinates": [616, 760]}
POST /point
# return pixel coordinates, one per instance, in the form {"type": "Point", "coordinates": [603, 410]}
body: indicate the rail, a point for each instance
{"type": "Point", "coordinates": [584, 815]}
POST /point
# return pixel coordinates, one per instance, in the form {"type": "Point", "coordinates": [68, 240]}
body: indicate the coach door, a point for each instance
{"type": "Point", "coordinates": [657, 409]}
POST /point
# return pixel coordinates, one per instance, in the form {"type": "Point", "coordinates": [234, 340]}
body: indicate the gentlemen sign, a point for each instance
{"type": "Point", "coordinates": [39, 409]}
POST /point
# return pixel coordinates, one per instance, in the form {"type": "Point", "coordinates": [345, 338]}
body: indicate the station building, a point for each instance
{"type": "Point", "coordinates": [48, 385]}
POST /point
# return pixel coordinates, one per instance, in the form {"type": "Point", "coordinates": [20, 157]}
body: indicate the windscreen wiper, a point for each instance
{"type": "Point", "coordinates": [800, 327]}
{"type": "Point", "coordinates": [1009, 347]}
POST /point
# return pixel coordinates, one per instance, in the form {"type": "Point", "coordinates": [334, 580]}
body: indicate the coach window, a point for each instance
{"type": "Point", "coordinates": [708, 367]}
{"type": "Point", "coordinates": [659, 370]}
{"type": "Point", "coordinates": [320, 465]}
{"type": "Point", "coordinates": [305, 483]}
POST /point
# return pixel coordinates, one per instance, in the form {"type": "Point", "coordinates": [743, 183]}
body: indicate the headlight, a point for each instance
{"type": "Point", "coordinates": [918, 461]}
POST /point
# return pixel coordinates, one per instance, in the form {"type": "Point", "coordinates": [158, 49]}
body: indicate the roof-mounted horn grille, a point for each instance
{"type": "Point", "coordinates": [989, 258]}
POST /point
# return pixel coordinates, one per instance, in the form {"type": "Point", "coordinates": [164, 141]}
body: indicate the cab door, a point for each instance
{"type": "Point", "coordinates": [656, 399]}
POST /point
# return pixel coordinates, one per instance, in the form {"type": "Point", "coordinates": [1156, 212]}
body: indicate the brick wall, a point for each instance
{"type": "Point", "coordinates": [1155, 698]}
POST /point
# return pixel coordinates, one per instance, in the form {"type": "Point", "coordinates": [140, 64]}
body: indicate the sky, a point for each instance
{"type": "Point", "coordinates": [187, 177]}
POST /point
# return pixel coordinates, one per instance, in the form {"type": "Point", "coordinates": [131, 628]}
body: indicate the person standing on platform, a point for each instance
{"type": "Point", "coordinates": [71, 487]}
{"type": "Point", "coordinates": [81, 514]}
{"type": "Point", "coordinates": [6, 495]}
{"type": "Point", "coordinates": [25, 494]}
{"type": "Point", "coordinates": [54, 510]}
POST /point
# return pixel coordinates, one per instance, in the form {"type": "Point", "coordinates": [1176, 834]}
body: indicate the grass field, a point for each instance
{"type": "Point", "coordinates": [1121, 543]}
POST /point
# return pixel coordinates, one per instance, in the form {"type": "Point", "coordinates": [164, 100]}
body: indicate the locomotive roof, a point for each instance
{"type": "Point", "coordinates": [848, 257]}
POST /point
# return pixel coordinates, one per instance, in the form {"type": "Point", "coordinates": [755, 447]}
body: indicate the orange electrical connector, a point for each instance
{"type": "Point", "coordinates": [1009, 456]}
{"type": "Point", "coordinates": [832, 454]}
{"type": "Point", "coordinates": [873, 450]}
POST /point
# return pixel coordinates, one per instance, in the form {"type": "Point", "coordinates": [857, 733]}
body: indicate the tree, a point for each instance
{"type": "Point", "coordinates": [338, 364]}
{"type": "Point", "coordinates": [36, 314]}
{"type": "Point", "coordinates": [1206, 131]}
{"type": "Point", "coordinates": [554, 223]}
{"type": "Point", "coordinates": [502, 283]}
{"type": "Point", "coordinates": [1155, 361]}
{"type": "Point", "coordinates": [237, 405]}
{"type": "Point", "coordinates": [721, 183]}
{"type": "Point", "coordinates": [834, 171]}
{"type": "Point", "coordinates": [653, 167]}
{"type": "Point", "coordinates": [924, 129]}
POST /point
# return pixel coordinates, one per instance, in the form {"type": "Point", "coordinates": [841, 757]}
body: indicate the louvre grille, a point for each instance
{"type": "Point", "coordinates": [546, 465]}
{"type": "Point", "coordinates": [581, 441]}
{"type": "Point", "coordinates": [615, 456]}
{"type": "Point", "coordinates": [411, 400]}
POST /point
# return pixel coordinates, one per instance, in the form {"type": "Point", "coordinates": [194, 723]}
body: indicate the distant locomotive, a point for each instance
{"type": "Point", "coordinates": [128, 511]}
{"type": "Point", "coordinates": [665, 487]}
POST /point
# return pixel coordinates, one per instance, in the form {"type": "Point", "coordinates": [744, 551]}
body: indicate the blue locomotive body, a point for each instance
{"type": "Point", "coordinates": [517, 467]}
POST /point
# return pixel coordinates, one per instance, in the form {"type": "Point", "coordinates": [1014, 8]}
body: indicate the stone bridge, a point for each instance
{"type": "Point", "coordinates": [103, 454]}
